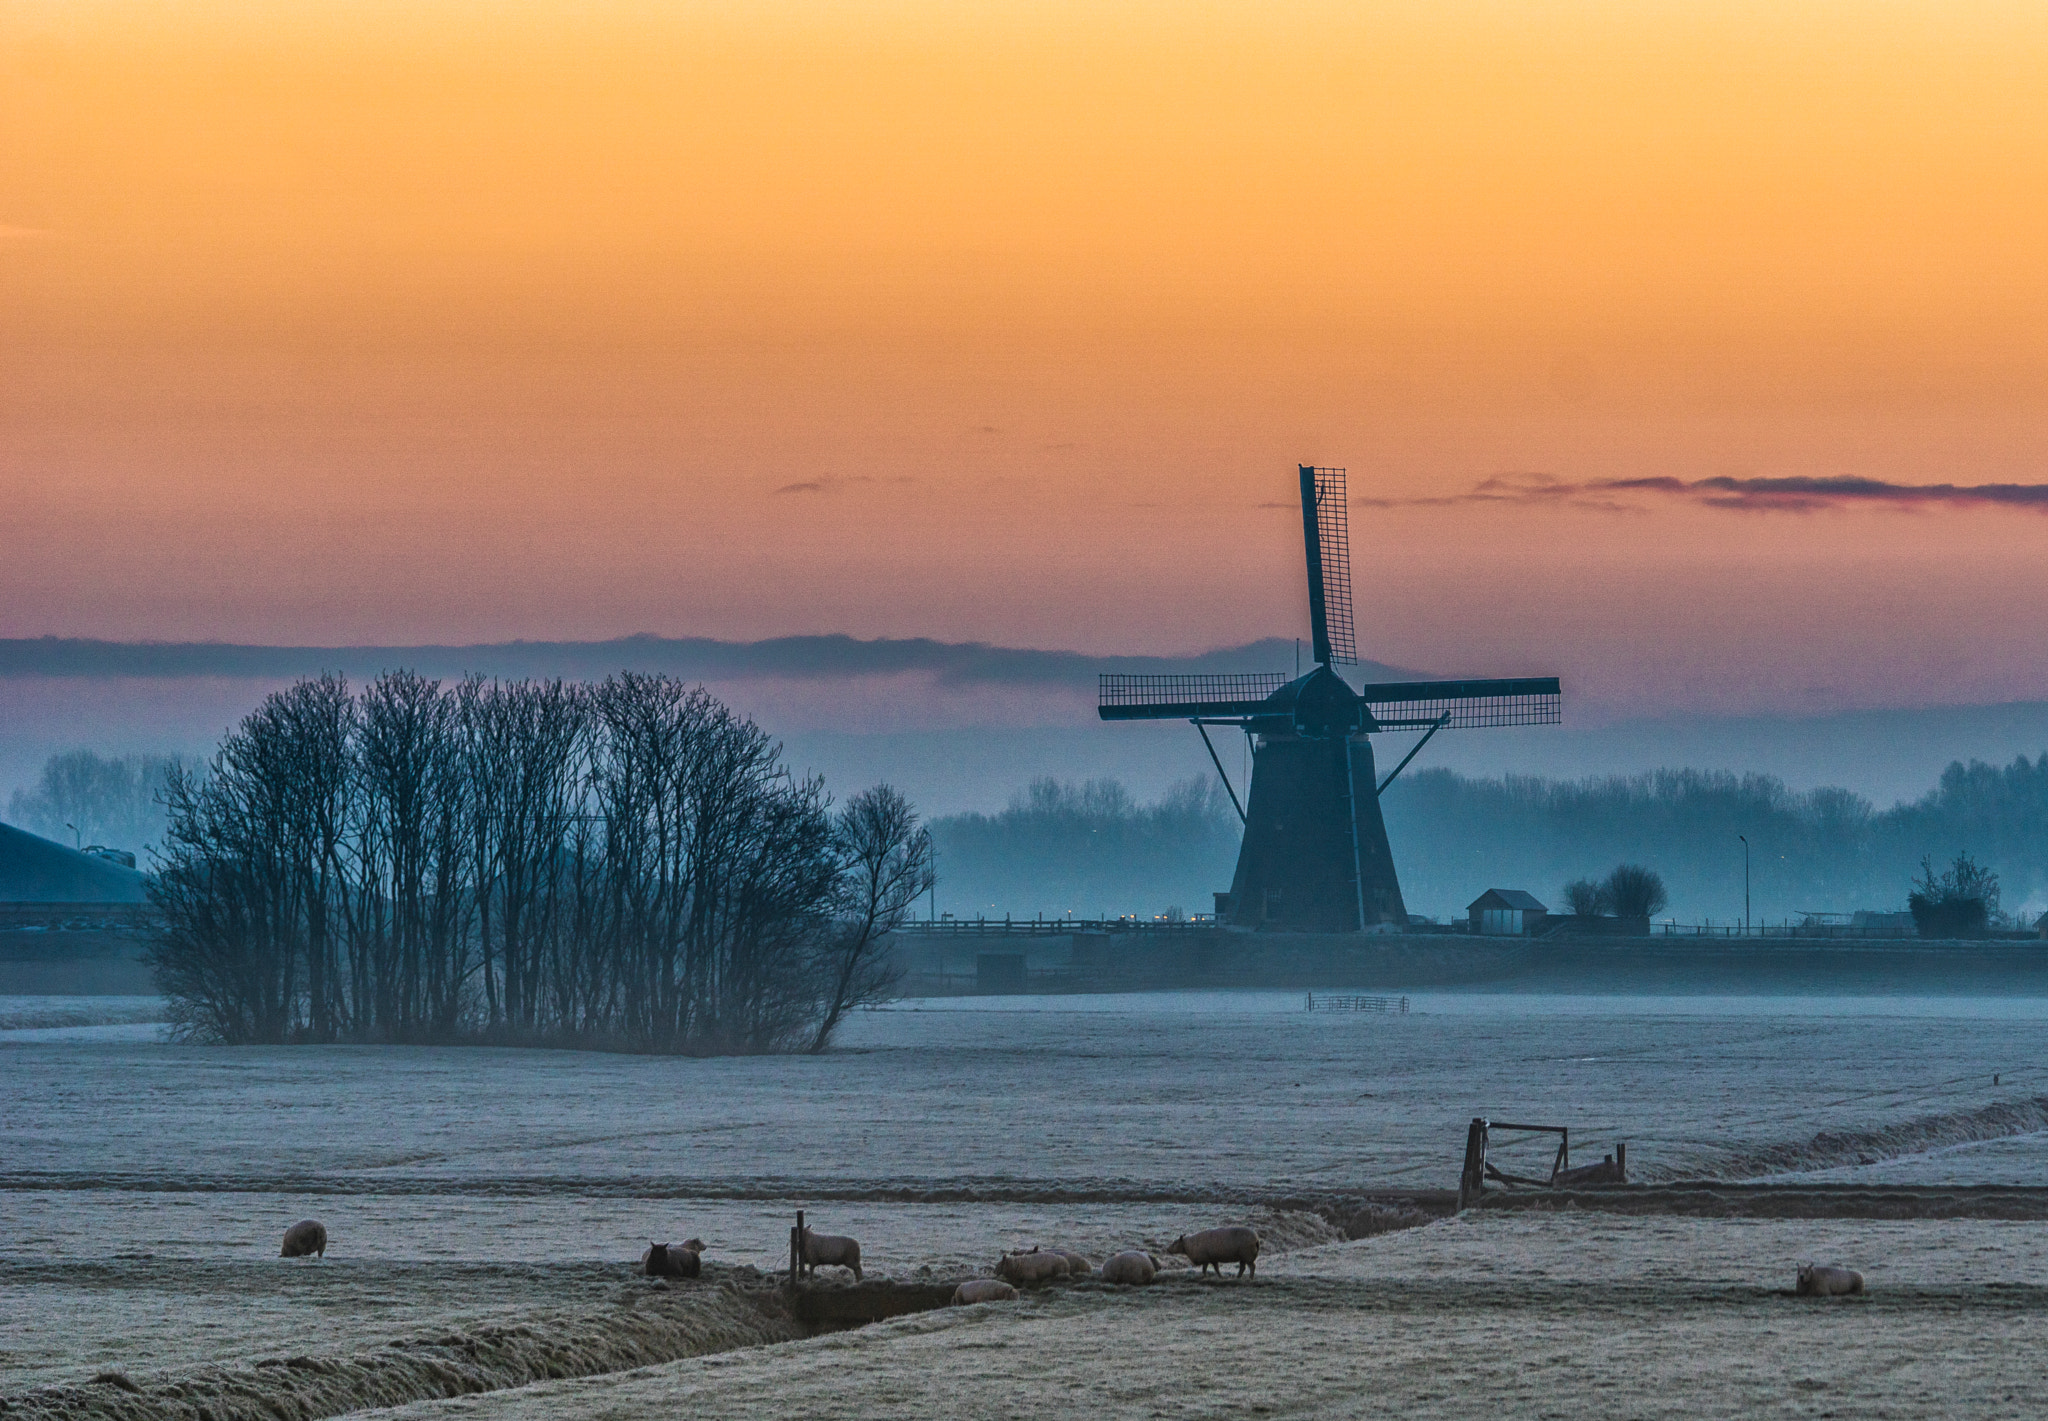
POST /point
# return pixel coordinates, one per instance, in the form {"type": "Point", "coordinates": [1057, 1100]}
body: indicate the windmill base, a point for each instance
{"type": "Point", "coordinates": [1315, 856]}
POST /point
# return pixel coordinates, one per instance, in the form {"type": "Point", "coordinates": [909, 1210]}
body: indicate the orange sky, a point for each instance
{"type": "Point", "coordinates": [382, 322]}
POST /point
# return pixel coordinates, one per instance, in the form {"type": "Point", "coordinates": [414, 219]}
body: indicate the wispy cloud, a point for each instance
{"type": "Point", "coordinates": [832, 483]}
{"type": "Point", "coordinates": [1747, 495]}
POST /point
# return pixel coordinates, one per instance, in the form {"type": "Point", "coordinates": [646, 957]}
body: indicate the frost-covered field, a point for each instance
{"type": "Point", "coordinates": [465, 1187]}
{"type": "Point", "coordinates": [1483, 1315]}
{"type": "Point", "coordinates": [88, 1018]}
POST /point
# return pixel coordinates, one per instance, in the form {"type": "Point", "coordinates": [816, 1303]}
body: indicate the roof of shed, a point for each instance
{"type": "Point", "coordinates": [1508, 898]}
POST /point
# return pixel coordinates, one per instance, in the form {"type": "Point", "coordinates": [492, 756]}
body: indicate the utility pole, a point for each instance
{"type": "Point", "coordinates": [1745, 883]}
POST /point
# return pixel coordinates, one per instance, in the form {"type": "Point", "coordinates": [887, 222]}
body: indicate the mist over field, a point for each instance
{"type": "Point", "coordinates": [962, 727]}
{"type": "Point", "coordinates": [1038, 808]}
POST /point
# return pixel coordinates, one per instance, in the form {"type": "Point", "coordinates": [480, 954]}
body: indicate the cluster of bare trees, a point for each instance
{"type": "Point", "coordinates": [626, 864]}
{"type": "Point", "coordinates": [1630, 891]}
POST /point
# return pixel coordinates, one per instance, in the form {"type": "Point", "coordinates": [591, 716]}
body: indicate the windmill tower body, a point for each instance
{"type": "Point", "coordinates": [1315, 856]}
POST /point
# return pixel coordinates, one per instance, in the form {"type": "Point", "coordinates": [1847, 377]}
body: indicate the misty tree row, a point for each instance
{"type": "Point", "coordinates": [625, 864]}
{"type": "Point", "coordinates": [1093, 849]}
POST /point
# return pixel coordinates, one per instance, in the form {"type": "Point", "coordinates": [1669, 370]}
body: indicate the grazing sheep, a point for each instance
{"type": "Point", "coordinates": [304, 1237]}
{"type": "Point", "coordinates": [983, 1290]}
{"type": "Point", "coordinates": [831, 1251]}
{"type": "Point", "coordinates": [672, 1260]}
{"type": "Point", "coordinates": [1032, 1266]}
{"type": "Point", "coordinates": [1212, 1248]}
{"type": "Point", "coordinates": [1820, 1280]}
{"type": "Point", "coordinates": [1132, 1267]}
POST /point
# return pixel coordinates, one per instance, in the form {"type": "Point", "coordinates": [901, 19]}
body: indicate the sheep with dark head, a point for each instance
{"type": "Point", "coordinates": [1212, 1248]}
{"type": "Point", "coordinates": [673, 1260]}
{"type": "Point", "coordinates": [304, 1238]}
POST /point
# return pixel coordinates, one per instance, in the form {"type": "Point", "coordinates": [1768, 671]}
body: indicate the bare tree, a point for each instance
{"type": "Point", "coordinates": [1585, 898]}
{"type": "Point", "coordinates": [886, 867]}
{"type": "Point", "coordinates": [1633, 891]}
{"type": "Point", "coordinates": [626, 865]}
{"type": "Point", "coordinates": [83, 798]}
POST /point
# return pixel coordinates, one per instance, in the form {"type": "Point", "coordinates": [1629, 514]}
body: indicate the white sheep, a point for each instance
{"type": "Point", "coordinates": [831, 1251]}
{"type": "Point", "coordinates": [983, 1290]}
{"type": "Point", "coordinates": [1212, 1248]}
{"type": "Point", "coordinates": [1821, 1280]}
{"type": "Point", "coordinates": [1131, 1267]}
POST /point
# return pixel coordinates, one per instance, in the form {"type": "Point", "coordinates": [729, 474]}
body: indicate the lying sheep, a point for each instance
{"type": "Point", "coordinates": [305, 1237]}
{"type": "Point", "coordinates": [1032, 1266]}
{"type": "Point", "coordinates": [1212, 1248]}
{"type": "Point", "coordinates": [831, 1251]}
{"type": "Point", "coordinates": [983, 1290]}
{"type": "Point", "coordinates": [673, 1260]}
{"type": "Point", "coordinates": [1132, 1267]}
{"type": "Point", "coordinates": [1821, 1280]}
{"type": "Point", "coordinates": [1078, 1265]}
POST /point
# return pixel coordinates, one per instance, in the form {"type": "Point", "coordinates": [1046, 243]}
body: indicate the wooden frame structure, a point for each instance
{"type": "Point", "coordinates": [1478, 1169]}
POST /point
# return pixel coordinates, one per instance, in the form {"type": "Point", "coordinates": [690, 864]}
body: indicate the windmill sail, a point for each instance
{"type": "Point", "coordinates": [1184, 697]}
{"type": "Point", "coordinates": [1469, 705]}
{"type": "Point", "coordinates": [1326, 534]}
{"type": "Point", "coordinates": [1394, 705]}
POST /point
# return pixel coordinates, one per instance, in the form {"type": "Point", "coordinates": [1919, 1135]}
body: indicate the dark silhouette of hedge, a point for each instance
{"type": "Point", "coordinates": [1960, 902]}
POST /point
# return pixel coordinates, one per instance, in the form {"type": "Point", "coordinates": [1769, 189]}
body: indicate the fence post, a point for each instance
{"type": "Point", "coordinates": [1472, 1178]}
{"type": "Point", "coordinates": [796, 1249]}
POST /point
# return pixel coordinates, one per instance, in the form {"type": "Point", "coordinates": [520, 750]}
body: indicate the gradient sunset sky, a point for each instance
{"type": "Point", "coordinates": [430, 321]}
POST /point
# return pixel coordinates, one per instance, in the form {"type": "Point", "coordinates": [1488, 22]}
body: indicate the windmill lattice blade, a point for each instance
{"type": "Point", "coordinates": [1124, 697]}
{"type": "Point", "coordinates": [1471, 705]}
{"type": "Point", "coordinates": [1333, 534]}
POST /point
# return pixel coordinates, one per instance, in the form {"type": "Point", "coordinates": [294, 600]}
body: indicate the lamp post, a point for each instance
{"type": "Point", "coordinates": [1745, 883]}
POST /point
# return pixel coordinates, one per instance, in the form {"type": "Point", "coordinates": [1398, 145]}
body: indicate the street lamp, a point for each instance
{"type": "Point", "coordinates": [1745, 883]}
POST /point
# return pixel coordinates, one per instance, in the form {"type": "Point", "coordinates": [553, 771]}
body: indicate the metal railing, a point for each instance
{"type": "Point", "coordinates": [1351, 1001]}
{"type": "Point", "coordinates": [1050, 927]}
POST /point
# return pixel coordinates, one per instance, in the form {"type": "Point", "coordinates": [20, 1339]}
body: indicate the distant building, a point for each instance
{"type": "Point", "coordinates": [1507, 912]}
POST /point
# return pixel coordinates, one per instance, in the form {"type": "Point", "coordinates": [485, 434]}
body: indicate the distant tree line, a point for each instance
{"type": "Point", "coordinates": [1092, 848]}
{"type": "Point", "coordinates": [625, 864]}
{"type": "Point", "coordinates": [84, 799]}
{"type": "Point", "coordinates": [1089, 849]}
{"type": "Point", "coordinates": [1822, 850]}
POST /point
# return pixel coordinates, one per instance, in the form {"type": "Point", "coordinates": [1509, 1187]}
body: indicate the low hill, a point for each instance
{"type": "Point", "coordinates": [35, 870]}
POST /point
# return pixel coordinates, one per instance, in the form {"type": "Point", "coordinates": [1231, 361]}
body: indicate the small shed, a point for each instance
{"type": "Point", "coordinates": [1507, 912]}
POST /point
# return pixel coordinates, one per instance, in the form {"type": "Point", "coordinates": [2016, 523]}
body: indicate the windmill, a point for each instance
{"type": "Point", "coordinates": [1315, 856]}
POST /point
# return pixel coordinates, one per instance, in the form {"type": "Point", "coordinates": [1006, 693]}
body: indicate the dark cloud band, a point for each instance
{"type": "Point", "coordinates": [1757, 495]}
